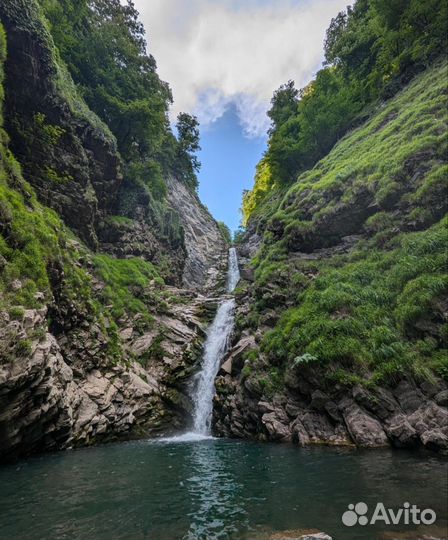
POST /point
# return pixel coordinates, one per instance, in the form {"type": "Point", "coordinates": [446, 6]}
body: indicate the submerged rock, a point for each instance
{"type": "Point", "coordinates": [300, 535]}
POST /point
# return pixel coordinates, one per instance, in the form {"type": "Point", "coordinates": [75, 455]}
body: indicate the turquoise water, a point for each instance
{"type": "Point", "coordinates": [211, 489]}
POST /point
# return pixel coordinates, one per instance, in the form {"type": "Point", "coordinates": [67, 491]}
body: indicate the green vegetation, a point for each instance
{"type": "Point", "coordinates": [398, 152]}
{"type": "Point", "coordinates": [103, 44]}
{"type": "Point", "coordinates": [32, 239]}
{"type": "Point", "coordinates": [34, 242]}
{"type": "Point", "coordinates": [225, 231]}
{"type": "Point", "coordinates": [42, 263]}
{"type": "Point", "coordinates": [127, 285]}
{"type": "Point", "coordinates": [262, 185]}
{"type": "Point", "coordinates": [2, 73]}
{"type": "Point", "coordinates": [370, 311]}
{"type": "Point", "coordinates": [374, 311]}
{"type": "Point", "coordinates": [371, 51]}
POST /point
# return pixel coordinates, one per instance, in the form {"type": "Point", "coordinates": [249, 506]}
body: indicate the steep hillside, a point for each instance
{"type": "Point", "coordinates": [94, 343]}
{"type": "Point", "coordinates": [342, 317]}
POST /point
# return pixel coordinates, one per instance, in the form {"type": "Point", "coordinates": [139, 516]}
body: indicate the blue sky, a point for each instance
{"type": "Point", "coordinates": [223, 60]}
{"type": "Point", "coordinates": [228, 165]}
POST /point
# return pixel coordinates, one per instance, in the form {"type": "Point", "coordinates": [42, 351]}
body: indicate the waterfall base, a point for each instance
{"type": "Point", "coordinates": [190, 436]}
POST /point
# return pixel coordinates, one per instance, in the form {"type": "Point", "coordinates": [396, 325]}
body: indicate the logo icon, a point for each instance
{"type": "Point", "coordinates": [355, 515]}
{"type": "Point", "coordinates": [408, 514]}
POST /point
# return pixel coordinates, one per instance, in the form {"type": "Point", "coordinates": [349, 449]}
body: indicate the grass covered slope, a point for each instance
{"type": "Point", "coordinates": [353, 261]}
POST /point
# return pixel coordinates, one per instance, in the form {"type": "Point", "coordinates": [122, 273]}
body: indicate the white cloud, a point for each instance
{"type": "Point", "coordinates": [214, 52]}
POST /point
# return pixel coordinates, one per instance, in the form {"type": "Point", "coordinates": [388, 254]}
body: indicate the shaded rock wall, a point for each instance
{"type": "Point", "coordinates": [404, 414]}
{"type": "Point", "coordinates": [67, 153]}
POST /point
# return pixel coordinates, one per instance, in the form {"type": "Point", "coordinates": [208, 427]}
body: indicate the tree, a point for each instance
{"type": "Point", "coordinates": [225, 231]}
{"type": "Point", "coordinates": [371, 51]}
{"type": "Point", "coordinates": [187, 127]}
{"type": "Point", "coordinates": [188, 136]}
{"type": "Point", "coordinates": [104, 46]}
{"type": "Point", "coordinates": [283, 105]}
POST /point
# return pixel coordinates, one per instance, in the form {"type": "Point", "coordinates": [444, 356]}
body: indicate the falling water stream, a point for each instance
{"type": "Point", "coordinates": [233, 274]}
{"type": "Point", "coordinates": [215, 347]}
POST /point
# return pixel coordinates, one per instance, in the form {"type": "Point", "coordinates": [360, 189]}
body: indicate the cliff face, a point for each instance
{"type": "Point", "coordinates": [67, 154]}
{"type": "Point", "coordinates": [341, 317]}
{"type": "Point", "coordinates": [95, 345]}
{"type": "Point", "coordinates": [206, 250]}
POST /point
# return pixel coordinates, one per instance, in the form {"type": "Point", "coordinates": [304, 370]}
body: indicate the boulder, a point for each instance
{"type": "Point", "coordinates": [363, 428]}
{"type": "Point", "coordinates": [277, 429]}
{"type": "Point", "coordinates": [401, 433]}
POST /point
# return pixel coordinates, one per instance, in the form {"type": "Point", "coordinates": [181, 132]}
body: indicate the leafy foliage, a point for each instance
{"type": "Point", "coordinates": [34, 244]}
{"type": "Point", "coordinates": [225, 231]}
{"type": "Point", "coordinates": [362, 312]}
{"type": "Point", "coordinates": [127, 284]}
{"type": "Point", "coordinates": [372, 50]}
{"type": "Point", "coordinates": [187, 164]}
{"type": "Point", "coordinates": [103, 45]}
{"type": "Point", "coordinates": [375, 311]}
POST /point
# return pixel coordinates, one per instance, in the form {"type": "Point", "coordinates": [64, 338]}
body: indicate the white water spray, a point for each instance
{"type": "Point", "coordinates": [215, 347]}
{"type": "Point", "coordinates": [233, 275]}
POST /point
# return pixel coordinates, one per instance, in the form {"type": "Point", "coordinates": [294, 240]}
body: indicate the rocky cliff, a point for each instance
{"type": "Point", "coordinates": [343, 308]}
{"type": "Point", "coordinates": [97, 338]}
{"type": "Point", "coordinates": [205, 266]}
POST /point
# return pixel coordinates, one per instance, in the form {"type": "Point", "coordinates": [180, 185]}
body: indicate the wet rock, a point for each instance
{"type": "Point", "coordinates": [315, 536]}
{"type": "Point", "coordinates": [319, 400]}
{"type": "Point", "coordinates": [442, 398]}
{"type": "Point", "coordinates": [299, 434]}
{"type": "Point", "coordinates": [275, 426]}
{"type": "Point", "coordinates": [248, 274]}
{"type": "Point", "coordinates": [312, 427]}
{"type": "Point", "coordinates": [401, 432]}
{"type": "Point", "coordinates": [408, 396]}
{"type": "Point", "coordinates": [381, 403]}
{"type": "Point", "coordinates": [253, 387]}
{"type": "Point", "coordinates": [226, 367]}
{"type": "Point", "coordinates": [431, 423]}
{"type": "Point", "coordinates": [300, 535]}
{"type": "Point", "coordinates": [435, 439]}
{"type": "Point", "coordinates": [236, 354]}
{"type": "Point", "coordinates": [426, 532]}
{"type": "Point", "coordinates": [64, 393]}
{"type": "Point", "coordinates": [363, 428]}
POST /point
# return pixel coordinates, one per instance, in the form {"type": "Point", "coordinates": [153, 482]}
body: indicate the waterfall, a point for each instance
{"type": "Point", "coordinates": [215, 347]}
{"type": "Point", "coordinates": [233, 275]}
